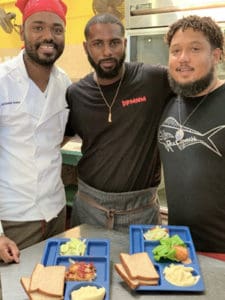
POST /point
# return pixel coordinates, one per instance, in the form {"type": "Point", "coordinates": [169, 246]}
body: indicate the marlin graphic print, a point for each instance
{"type": "Point", "coordinates": [169, 128]}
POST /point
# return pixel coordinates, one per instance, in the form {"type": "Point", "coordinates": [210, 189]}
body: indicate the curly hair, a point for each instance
{"type": "Point", "coordinates": [206, 25]}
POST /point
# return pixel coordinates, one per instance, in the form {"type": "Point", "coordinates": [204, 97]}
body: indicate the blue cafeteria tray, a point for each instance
{"type": "Point", "coordinates": [97, 252]}
{"type": "Point", "coordinates": [139, 244]}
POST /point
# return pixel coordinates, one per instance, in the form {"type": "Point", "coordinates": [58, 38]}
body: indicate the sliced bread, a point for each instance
{"type": "Point", "coordinates": [133, 283]}
{"type": "Point", "coordinates": [139, 266]}
{"type": "Point", "coordinates": [48, 280]}
{"type": "Point", "coordinates": [36, 295]}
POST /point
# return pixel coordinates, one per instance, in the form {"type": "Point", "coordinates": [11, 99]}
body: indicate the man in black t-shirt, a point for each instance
{"type": "Point", "coordinates": [192, 133]}
{"type": "Point", "coordinates": [116, 112]}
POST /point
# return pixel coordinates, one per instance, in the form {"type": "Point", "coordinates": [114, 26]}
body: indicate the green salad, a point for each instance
{"type": "Point", "coordinates": [169, 247]}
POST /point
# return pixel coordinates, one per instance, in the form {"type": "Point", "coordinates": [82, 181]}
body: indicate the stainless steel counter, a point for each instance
{"type": "Point", "coordinates": [213, 270]}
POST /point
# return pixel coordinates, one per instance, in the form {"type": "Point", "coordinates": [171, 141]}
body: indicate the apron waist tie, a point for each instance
{"type": "Point", "coordinates": [111, 212]}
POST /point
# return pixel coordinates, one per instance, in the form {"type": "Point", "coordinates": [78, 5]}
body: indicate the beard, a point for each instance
{"type": "Point", "coordinates": [48, 60]}
{"type": "Point", "coordinates": [191, 89]}
{"type": "Point", "coordinates": [107, 74]}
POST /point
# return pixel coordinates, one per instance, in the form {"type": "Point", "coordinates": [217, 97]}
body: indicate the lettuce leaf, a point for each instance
{"type": "Point", "coordinates": [166, 248]}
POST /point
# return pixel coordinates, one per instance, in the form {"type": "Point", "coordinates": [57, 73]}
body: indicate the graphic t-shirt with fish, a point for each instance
{"type": "Point", "coordinates": [194, 167]}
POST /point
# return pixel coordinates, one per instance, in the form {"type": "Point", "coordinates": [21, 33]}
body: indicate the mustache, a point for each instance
{"type": "Point", "coordinates": [111, 59]}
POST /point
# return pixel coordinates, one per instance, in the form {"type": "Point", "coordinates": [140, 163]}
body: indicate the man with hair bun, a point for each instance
{"type": "Point", "coordinates": [33, 114]}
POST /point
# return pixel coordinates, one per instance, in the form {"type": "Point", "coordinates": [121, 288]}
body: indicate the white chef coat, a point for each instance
{"type": "Point", "coordinates": [32, 127]}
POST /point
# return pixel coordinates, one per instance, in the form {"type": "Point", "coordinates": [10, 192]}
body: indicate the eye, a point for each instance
{"type": "Point", "coordinates": [115, 43]}
{"type": "Point", "coordinates": [175, 51]}
{"type": "Point", "coordinates": [37, 28]}
{"type": "Point", "coordinates": [97, 44]}
{"type": "Point", "coordinates": [55, 30]}
{"type": "Point", "coordinates": [195, 49]}
{"type": "Point", "coordinates": [58, 30]}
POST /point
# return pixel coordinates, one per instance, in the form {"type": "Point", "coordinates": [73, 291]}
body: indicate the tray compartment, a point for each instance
{"type": "Point", "coordinates": [50, 252]}
{"type": "Point", "coordinates": [94, 248]}
{"type": "Point", "coordinates": [136, 239]}
{"type": "Point", "coordinates": [100, 263]}
{"type": "Point", "coordinates": [71, 286]}
{"type": "Point", "coordinates": [164, 285]}
{"type": "Point", "coordinates": [149, 246]}
{"type": "Point", "coordinates": [97, 248]}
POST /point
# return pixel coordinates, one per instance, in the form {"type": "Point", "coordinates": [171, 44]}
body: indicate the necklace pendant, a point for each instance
{"type": "Point", "coordinates": [110, 117]}
{"type": "Point", "coordinates": [179, 135]}
{"type": "Point", "coordinates": [115, 96]}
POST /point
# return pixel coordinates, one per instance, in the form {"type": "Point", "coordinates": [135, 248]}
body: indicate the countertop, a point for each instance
{"type": "Point", "coordinates": [213, 270]}
{"type": "Point", "coordinates": [71, 151]}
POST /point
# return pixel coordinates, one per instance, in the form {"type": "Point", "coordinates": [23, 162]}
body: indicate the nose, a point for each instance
{"type": "Point", "coordinates": [48, 33]}
{"type": "Point", "coordinates": [107, 51]}
{"type": "Point", "coordinates": [184, 56]}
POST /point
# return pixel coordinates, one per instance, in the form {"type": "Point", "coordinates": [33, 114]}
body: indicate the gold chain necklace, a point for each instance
{"type": "Point", "coordinates": [114, 98]}
{"type": "Point", "coordinates": [179, 135]}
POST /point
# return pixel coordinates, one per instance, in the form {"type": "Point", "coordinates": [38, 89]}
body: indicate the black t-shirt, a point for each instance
{"type": "Point", "coordinates": [194, 169]}
{"type": "Point", "coordinates": [120, 156]}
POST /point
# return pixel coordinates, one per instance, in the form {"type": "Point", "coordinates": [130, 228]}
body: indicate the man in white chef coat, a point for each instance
{"type": "Point", "coordinates": [33, 114]}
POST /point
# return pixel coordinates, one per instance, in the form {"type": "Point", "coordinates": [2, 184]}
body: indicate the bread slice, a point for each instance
{"type": "Point", "coordinates": [133, 283]}
{"type": "Point", "coordinates": [36, 277]}
{"type": "Point", "coordinates": [41, 296]}
{"type": "Point", "coordinates": [52, 282]}
{"type": "Point", "coordinates": [25, 281]}
{"type": "Point", "coordinates": [48, 281]}
{"type": "Point", "coordinates": [139, 266]}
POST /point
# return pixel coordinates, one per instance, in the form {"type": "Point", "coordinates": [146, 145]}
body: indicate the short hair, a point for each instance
{"type": "Point", "coordinates": [103, 19]}
{"type": "Point", "coordinates": [206, 25]}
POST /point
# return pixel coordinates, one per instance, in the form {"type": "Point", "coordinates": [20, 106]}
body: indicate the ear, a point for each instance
{"type": "Point", "coordinates": [125, 43]}
{"type": "Point", "coordinates": [217, 53]}
{"type": "Point", "coordinates": [22, 32]}
{"type": "Point", "coordinates": [85, 47]}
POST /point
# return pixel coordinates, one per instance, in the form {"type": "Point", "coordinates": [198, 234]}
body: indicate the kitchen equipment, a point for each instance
{"type": "Point", "coordinates": [153, 13]}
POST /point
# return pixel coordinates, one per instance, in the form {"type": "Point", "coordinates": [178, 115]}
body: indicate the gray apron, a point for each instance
{"type": "Point", "coordinates": [115, 210]}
